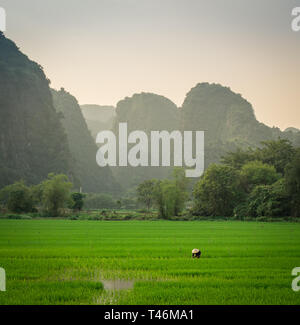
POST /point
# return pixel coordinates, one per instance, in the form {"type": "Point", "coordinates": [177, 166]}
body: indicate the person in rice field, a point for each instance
{"type": "Point", "coordinates": [196, 253]}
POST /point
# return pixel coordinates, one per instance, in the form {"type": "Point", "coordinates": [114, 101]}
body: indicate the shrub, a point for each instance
{"type": "Point", "coordinates": [292, 176]}
{"type": "Point", "coordinates": [17, 197]}
{"type": "Point", "coordinates": [77, 201]}
{"type": "Point", "coordinates": [257, 173]}
{"type": "Point", "coordinates": [56, 194]}
{"type": "Point", "coordinates": [217, 192]}
{"type": "Point", "coordinates": [268, 201]}
{"type": "Point", "coordinates": [99, 201]}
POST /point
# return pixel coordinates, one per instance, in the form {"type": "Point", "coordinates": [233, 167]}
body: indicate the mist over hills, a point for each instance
{"type": "Point", "coordinates": [82, 146]}
{"type": "Point", "coordinates": [43, 130]}
{"type": "Point", "coordinates": [228, 119]}
{"type": "Point", "coordinates": [98, 117]}
{"type": "Point", "coordinates": [146, 112]}
{"type": "Point", "coordinates": [32, 139]}
{"type": "Point", "coordinates": [47, 131]}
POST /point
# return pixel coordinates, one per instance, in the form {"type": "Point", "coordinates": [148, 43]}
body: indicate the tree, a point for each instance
{"type": "Point", "coordinates": [277, 153]}
{"type": "Point", "coordinates": [99, 201]}
{"type": "Point", "coordinates": [168, 195]}
{"type": "Point", "coordinates": [17, 197]}
{"type": "Point", "coordinates": [145, 193]}
{"type": "Point", "coordinates": [181, 194]}
{"type": "Point", "coordinates": [56, 194]}
{"type": "Point", "coordinates": [77, 201]}
{"type": "Point", "coordinates": [292, 176]}
{"type": "Point", "coordinates": [257, 173]}
{"type": "Point", "coordinates": [238, 158]}
{"type": "Point", "coordinates": [165, 198]}
{"type": "Point", "coordinates": [266, 201]}
{"type": "Point", "coordinates": [217, 192]}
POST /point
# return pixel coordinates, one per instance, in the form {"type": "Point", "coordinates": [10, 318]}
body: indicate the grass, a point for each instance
{"type": "Point", "coordinates": [64, 261]}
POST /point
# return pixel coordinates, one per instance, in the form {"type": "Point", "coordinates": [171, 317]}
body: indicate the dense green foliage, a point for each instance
{"type": "Point", "coordinates": [32, 139]}
{"type": "Point", "coordinates": [261, 182]}
{"type": "Point", "coordinates": [64, 262]}
{"type": "Point", "coordinates": [266, 201]}
{"type": "Point", "coordinates": [17, 197]}
{"type": "Point", "coordinates": [256, 173]}
{"type": "Point", "coordinates": [169, 196]}
{"type": "Point", "coordinates": [276, 153]}
{"type": "Point", "coordinates": [56, 194]}
{"type": "Point", "coordinates": [217, 192]}
{"type": "Point", "coordinates": [145, 193]}
{"type": "Point", "coordinates": [77, 201]}
{"type": "Point", "coordinates": [293, 183]}
{"type": "Point", "coordinates": [51, 197]}
{"type": "Point", "coordinates": [100, 201]}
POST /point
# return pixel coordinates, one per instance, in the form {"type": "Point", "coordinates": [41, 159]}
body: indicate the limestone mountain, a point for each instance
{"type": "Point", "coordinates": [146, 112]}
{"type": "Point", "coordinates": [291, 129]}
{"type": "Point", "coordinates": [32, 139]}
{"type": "Point", "coordinates": [228, 119]}
{"type": "Point", "coordinates": [82, 146]}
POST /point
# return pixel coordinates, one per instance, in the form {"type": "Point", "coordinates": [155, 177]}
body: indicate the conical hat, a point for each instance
{"type": "Point", "coordinates": [195, 251]}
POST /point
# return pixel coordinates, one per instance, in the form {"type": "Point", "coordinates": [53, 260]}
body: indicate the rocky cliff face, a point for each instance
{"type": "Point", "coordinates": [148, 112]}
{"type": "Point", "coordinates": [83, 148]}
{"type": "Point", "coordinates": [145, 112]}
{"type": "Point", "coordinates": [228, 119]}
{"type": "Point", "coordinates": [32, 139]}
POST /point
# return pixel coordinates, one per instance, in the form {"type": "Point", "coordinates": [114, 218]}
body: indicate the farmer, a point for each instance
{"type": "Point", "coordinates": [196, 253]}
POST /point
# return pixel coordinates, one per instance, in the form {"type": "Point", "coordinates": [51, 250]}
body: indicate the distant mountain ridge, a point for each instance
{"type": "Point", "coordinates": [227, 118]}
{"type": "Point", "coordinates": [98, 118]}
{"type": "Point", "coordinates": [145, 112]}
{"type": "Point", "coordinates": [82, 146]}
{"type": "Point", "coordinates": [291, 129]}
{"type": "Point", "coordinates": [44, 131]}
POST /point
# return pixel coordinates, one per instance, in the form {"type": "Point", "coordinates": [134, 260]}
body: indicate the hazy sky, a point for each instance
{"type": "Point", "coordinates": [104, 50]}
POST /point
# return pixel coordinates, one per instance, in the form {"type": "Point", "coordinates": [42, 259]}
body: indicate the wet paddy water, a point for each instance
{"type": "Point", "coordinates": [117, 284]}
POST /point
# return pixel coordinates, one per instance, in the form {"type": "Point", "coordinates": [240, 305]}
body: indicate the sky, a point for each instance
{"type": "Point", "coordinates": [102, 51]}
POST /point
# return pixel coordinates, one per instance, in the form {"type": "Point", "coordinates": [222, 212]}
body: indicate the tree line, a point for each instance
{"type": "Point", "coordinates": [251, 183]}
{"type": "Point", "coordinates": [260, 182]}
{"type": "Point", "coordinates": [55, 197]}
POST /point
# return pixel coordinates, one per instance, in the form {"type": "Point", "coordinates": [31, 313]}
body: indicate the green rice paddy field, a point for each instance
{"type": "Point", "coordinates": [67, 262]}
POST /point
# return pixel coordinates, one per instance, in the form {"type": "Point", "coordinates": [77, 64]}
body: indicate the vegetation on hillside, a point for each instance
{"type": "Point", "coordinates": [261, 182]}
{"type": "Point", "coordinates": [229, 121]}
{"type": "Point", "coordinates": [146, 112]}
{"type": "Point", "coordinates": [32, 139]}
{"type": "Point", "coordinates": [91, 178]}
